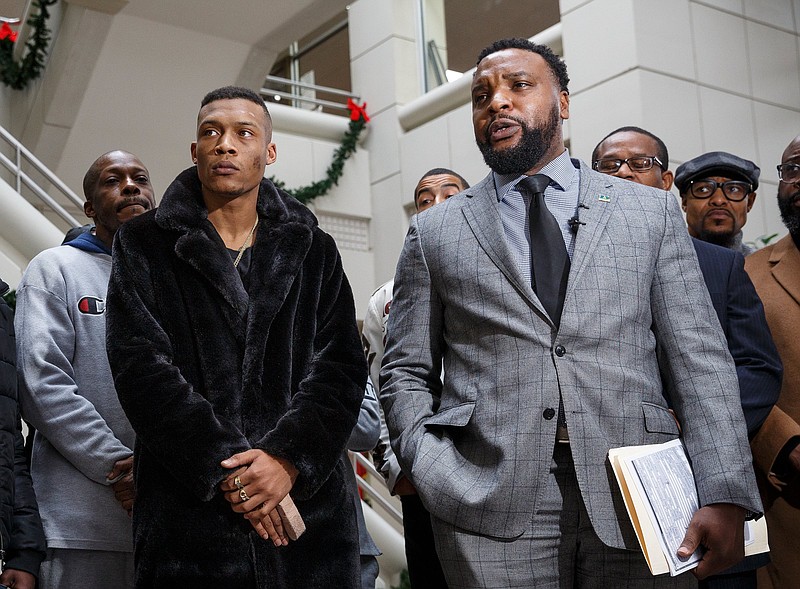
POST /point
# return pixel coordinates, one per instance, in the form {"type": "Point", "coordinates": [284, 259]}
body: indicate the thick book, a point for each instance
{"type": "Point", "coordinates": [660, 495]}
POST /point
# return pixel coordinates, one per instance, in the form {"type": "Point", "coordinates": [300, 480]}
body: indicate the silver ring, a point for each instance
{"type": "Point", "coordinates": [243, 495]}
{"type": "Point", "coordinates": [238, 482]}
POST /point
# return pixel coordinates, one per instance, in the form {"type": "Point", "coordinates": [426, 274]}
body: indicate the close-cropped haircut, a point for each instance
{"type": "Point", "coordinates": [557, 66]}
{"type": "Point", "coordinates": [233, 93]}
{"type": "Point", "coordinates": [92, 175]}
{"type": "Point", "coordinates": [442, 172]}
{"type": "Point", "coordinates": [661, 148]}
{"type": "Point", "coordinates": [90, 179]}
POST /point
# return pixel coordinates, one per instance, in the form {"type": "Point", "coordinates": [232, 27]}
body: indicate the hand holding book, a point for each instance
{"type": "Point", "coordinates": [675, 534]}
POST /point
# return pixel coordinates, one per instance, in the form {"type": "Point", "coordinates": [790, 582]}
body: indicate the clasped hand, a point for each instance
{"type": "Point", "coordinates": [263, 481]}
{"type": "Point", "coordinates": [123, 485]}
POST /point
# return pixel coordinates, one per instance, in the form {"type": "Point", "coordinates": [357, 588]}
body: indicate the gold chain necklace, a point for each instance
{"type": "Point", "coordinates": [244, 245]}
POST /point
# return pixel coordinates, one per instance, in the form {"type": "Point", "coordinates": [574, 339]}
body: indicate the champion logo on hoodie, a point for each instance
{"type": "Point", "coordinates": [91, 306]}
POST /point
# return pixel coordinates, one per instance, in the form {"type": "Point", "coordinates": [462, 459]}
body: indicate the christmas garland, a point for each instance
{"type": "Point", "coordinates": [358, 120]}
{"type": "Point", "coordinates": [18, 74]}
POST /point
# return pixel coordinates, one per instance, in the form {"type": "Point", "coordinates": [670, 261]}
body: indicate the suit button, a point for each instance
{"type": "Point", "coordinates": [549, 413]}
{"type": "Point", "coordinates": [560, 351]}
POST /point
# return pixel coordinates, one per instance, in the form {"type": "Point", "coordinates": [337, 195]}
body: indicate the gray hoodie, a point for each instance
{"type": "Point", "coordinates": [67, 394]}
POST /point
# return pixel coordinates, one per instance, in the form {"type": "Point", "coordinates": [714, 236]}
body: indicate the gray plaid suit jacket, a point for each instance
{"type": "Point", "coordinates": [479, 445]}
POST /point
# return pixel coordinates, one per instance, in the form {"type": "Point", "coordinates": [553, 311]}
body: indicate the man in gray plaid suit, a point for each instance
{"type": "Point", "coordinates": [509, 453]}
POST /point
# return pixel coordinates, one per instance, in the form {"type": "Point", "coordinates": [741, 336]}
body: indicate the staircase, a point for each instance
{"type": "Point", "coordinates": [34, 208]}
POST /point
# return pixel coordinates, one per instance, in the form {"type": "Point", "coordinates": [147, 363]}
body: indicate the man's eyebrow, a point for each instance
{"type": "Point", "coordinates": [477, 81]}
{"type": "Point", "coordinates": [122, 169]}
{"type": "Point", "coordinates": [237, 123]}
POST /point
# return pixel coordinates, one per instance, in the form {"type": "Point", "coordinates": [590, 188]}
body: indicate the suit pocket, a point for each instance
{"type": "Point", "coordinates": [659, 420]}
{"type": "Point", "coordinates": [456, 416]}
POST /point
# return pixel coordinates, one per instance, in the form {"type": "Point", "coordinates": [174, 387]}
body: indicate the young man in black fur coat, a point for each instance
{"type": "Point", "coordinates": [236, 356]}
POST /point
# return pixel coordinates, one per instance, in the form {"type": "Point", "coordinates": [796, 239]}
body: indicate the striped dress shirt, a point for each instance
{"type": "Point", "coordinates": [561, 197]}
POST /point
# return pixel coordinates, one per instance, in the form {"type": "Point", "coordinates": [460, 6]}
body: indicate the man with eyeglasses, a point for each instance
{"type": "Point", "coordinates": [718, 189]}
{"type": "Point", "coordinates": [775, 271]}
{"type": "Point", "coordinates": [640, 156]}
{"type": "Point", "coordinates": [633, 154]}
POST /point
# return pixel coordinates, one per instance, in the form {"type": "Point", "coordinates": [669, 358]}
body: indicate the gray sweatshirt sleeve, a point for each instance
{"type": "Point", "coordinates": [49, 396]}
{"type": "Point", "coordinates": [367, 431]}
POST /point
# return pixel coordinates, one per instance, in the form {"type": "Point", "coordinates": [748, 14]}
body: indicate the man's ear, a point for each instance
{"type": "Point", "coordinates": [751, 198]}
{"type": "Point", "coordinates": [668, 178]}
{"type": "Point", "coordinates": [272, 153]}
{"type": "Point", "coordinates": [563, 104]}
{"type": "Point", "coordinates": [683, 202]}
{"type": "Point", "coordinates": [193, 149]}
{"type": "Point", "coordinates": [88, 209]}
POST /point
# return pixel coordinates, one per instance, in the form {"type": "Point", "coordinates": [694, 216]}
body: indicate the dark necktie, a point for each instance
{"type": "Point", "coordinates": [549, 259]}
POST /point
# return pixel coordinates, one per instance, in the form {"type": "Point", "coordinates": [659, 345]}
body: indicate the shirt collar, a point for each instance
{"type": "Point", "coordinates": [561, 171]}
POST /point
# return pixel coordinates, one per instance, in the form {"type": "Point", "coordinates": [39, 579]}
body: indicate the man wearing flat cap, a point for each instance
{"type": "Point", "coordinates": [718, 189]}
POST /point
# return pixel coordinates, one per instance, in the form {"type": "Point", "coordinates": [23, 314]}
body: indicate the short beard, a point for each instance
{"type": "Point", "coordinates": [528, 153]}
{"type": "Point", "coordinates": [790, 214]}
{"type": "Point", "coordinates": [726, 240]}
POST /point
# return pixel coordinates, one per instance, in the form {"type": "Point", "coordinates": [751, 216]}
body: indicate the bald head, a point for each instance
{"type": "Point", "coordinates": [791, 149]}
{"type": "Point", "coordinates": [117, 188]}
{"type": "Point", "coordinates": [93, 173]}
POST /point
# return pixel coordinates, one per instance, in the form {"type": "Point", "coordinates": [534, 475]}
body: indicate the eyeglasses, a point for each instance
{"type": "Point", "coordinates": [636, 164]}
{"type": "Point", "coordinates": [732, 189]}
{"type": "Point", "coordinates": [789, 173]}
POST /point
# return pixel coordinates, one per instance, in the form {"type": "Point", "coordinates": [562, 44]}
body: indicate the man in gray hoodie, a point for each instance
{"type": "Point", "coordinates": [82, 461]}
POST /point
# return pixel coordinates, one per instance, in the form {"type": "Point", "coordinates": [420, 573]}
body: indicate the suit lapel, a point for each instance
{"type": "Point", "coordinates": [786, 258]}
{"type": "Point", "coordinates": [482, 216]}
{"type": "Point", "coordinates": [596, 198]}
{"type": "Point", "coordinates": [596, 201]}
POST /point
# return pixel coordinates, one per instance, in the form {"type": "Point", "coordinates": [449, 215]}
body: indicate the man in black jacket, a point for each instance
{"type": "Point", "coordinates": [232, 338]}
{"type": "Point", "coordinates": [21, 534]}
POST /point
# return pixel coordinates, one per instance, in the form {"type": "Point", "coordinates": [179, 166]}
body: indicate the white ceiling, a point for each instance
{"type": "Point", "coordinates": [246, 21]}
{"type": "Point", "coordinates": [250, 22]}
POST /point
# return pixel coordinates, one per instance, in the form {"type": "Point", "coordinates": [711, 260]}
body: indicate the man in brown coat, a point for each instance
{"type": "Point", "coordinates": [775, 271]}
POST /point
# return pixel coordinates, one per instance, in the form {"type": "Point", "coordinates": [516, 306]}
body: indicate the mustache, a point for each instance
{"type": "Point", "coordinates": [719, 210]}
{"type": "Point", "coordinates": [501, 117]}
{"type": "Point", "coordinates": [135, 200]}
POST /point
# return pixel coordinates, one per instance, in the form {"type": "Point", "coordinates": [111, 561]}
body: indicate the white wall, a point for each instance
{"type": "Point", "coordinates": [144, 94]}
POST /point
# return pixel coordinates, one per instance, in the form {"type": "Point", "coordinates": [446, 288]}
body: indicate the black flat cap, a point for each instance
{"type": "Point", "coordinates": [717, 163]}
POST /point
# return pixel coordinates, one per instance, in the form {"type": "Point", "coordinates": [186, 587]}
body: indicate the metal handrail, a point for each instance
{"type": "Point", "coordinates": [301, 98]}
{"type": "Point", "coordinates": [371, 491]}
{"type": "Point", "coordinates": [23, 179]}
{"type": "Point", "coordinates": [296, 96]}
{"type": "Point", "coordinates": [289, 82]}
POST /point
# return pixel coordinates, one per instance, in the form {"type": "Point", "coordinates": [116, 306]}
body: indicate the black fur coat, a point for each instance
{"type": "Point", "coordinates": [204, 370]}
